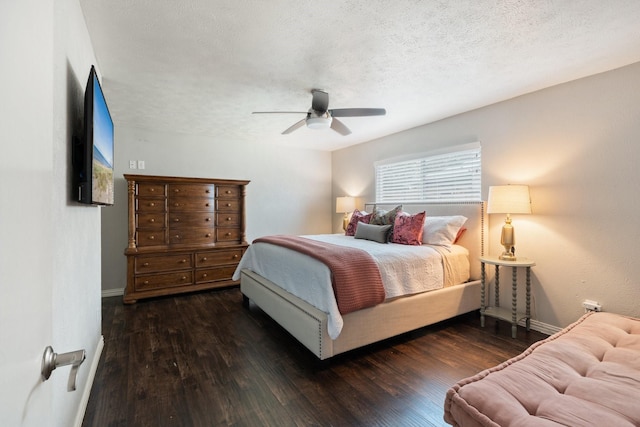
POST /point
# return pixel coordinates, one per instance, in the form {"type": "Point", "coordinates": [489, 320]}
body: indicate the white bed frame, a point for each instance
{"type": "Point", "coordinates": [309, 325]}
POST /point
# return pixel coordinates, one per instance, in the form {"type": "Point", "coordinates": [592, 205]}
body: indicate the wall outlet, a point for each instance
{"type": "Point", "coordinates": [591, 305]}
{"type": "Point", "coordinates": [133, 164]}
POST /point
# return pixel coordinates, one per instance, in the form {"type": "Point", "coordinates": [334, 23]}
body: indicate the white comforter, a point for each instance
{"type": "Point", "coordinates": [405, 270]}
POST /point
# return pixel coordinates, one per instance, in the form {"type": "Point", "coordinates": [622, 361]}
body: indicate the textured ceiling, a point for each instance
{"type": "Point", "coordinates": [202, 66]}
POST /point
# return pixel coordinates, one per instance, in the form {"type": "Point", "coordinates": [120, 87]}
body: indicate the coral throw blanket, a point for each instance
{"type": "Point", "coordinates": [355, 275]}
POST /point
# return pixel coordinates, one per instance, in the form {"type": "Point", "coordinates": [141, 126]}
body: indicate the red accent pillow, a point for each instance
{"type": "Point", "coordinates": [408, 229]}
{"type": "Point", "coordinates": [356, 217]}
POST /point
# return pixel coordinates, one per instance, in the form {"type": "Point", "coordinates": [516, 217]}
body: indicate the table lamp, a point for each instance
{"type": "Point", "coordinates": [508, 199]}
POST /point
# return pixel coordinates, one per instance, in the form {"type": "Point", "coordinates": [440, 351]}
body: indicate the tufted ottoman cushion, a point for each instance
{"type": "Point", "coordinates": [588, 374]}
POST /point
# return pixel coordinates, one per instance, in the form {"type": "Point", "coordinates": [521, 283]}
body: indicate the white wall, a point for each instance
{"type": "Point", "coordinates": [49, 246]}
{"type": "Point", "coordinates": [289, 192]}
{"type": "Point", "coordinates": [76, 244]}
{"type": "Point", "coordinates": [577, 145]}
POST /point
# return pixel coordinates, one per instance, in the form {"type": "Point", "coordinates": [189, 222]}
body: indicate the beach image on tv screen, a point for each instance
{"type": "Point", "coordinates": [102, 150]}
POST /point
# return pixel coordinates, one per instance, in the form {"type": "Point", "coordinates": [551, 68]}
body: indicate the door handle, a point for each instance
{"type": "Point", "coordinates": [52, 360]}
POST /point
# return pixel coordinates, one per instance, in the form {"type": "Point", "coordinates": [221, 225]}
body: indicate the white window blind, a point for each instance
{"type": "Point", "coordinates": [452, 175]}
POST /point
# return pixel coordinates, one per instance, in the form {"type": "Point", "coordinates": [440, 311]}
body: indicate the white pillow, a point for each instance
{"type": "Point", "coordinates": [442, 230]}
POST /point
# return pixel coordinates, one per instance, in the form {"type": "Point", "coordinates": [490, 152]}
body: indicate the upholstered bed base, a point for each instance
{"type": "Point", "coordinates": [309, 325]}
{"type": "Point", "coordinates": [588, 374]}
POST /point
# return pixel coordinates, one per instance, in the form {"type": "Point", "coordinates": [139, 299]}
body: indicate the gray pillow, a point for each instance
{"type": "Point", "coordinates": [375, 233]}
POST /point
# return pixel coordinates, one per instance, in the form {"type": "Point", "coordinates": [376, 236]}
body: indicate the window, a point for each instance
{"type": "Point", "coordinates": [449, 175]}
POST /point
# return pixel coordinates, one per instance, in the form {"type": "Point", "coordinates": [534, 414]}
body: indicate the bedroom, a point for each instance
{"type": "Point", "coordinates": [574, 144]}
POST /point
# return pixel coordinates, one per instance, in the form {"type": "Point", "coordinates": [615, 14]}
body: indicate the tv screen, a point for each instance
{"type": "Point", "coordinates": [94, 172]}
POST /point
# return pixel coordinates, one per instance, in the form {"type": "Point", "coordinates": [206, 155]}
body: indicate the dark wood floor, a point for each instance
{"type": "Point", "coordinates": [204, 360]}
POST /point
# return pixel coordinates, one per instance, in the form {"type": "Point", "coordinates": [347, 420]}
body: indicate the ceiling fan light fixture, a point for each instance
{"type": "Point", "coordinates": [319, 122]}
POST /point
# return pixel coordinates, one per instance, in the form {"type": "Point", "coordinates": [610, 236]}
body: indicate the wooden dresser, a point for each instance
{"type": "Point", "coordinates": [185, 234]}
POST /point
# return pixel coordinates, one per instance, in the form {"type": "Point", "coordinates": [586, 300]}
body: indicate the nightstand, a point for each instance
{"type": "Point", "coordinates": [504, 313]}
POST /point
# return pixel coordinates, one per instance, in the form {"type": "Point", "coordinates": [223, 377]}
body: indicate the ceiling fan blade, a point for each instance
{"type": "Point", "coordinates": [339, 127]}
{"type": "Point", "coordinates": [295, 126]}
{"type": "Point", "coordinates": [320, 102]}
{"type": "Point", "coordinates": [357, 112]}
{"type": "Point", "coordinates": [279, 112]}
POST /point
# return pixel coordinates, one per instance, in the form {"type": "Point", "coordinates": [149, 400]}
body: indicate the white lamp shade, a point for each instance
{"type": "Point", "coordinates": [509, 199]}
{"type": "Point", "coordinates": [345, 204]}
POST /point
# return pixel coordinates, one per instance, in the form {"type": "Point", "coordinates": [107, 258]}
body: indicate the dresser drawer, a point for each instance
{"type": "Point", "coordinates": [152, 264]}
{"type": "Point", "coordinates": [208, 259]}
{"type": "Point", "coordinates": [228, 191]}
{"type": "Point", "coordinates": [182, 204]}
{"type": "Point", "coordinates": [227, 219]}
{"type": "Point", "coordinates": [227, 234]}
{"type": "Point", "coordinates": [148, 205]}
{"type": "Point", "coordinates": [215, 274]}
{"type": "Point", "coordinates": [161, 281]}
{"type": "Point", "coordinates": [150, 237]}
{"type": "Point", "coordinates": [146, 190]}
{"type": "Point", "coordinates": [186, 219]}
{"type": "Point", "coordinates": [192, 236]}
{"type": "Point", "coordinates": [152, 221]}
{"type": "Point", "coordinates": [191, 190]}
{"type": "Point", "coordinates": [228, 205]}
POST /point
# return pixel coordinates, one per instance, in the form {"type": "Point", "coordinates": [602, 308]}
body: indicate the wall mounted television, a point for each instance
{"type": "Point", "coordinates": [93, 150]}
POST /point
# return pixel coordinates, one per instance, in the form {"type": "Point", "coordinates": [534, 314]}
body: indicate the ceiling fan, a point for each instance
{"type": "Point", "coordinates": [320, 116]}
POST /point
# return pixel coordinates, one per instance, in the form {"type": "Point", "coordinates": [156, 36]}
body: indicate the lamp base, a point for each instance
{"type": "Point", "coordinates": [345, 221]}
{"type": "Point", "coordinates": [507, 256]}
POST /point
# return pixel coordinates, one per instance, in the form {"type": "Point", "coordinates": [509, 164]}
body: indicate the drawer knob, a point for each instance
{"type": "Point", "coordinates": [228, 218]}
{"type": "Point", "coordinates": [204, 259]}
{"type": "Point", "coordinates": [208, 219]}
{"type": "Point", "coordinates": [146, 282]}
{"type": "Point", "coordinates": [204, 275]}
{"type": "Point", "coordinates": [228, 234]}
{"type": "Point", "coordinates": [152, 190]}
{"type": "Point", "coordinates": [207, 191]}
{"type": "Point", "coordinates": [177, 236]}
{"type": "Point", "coordinates": [176, 190]}
{"type": "Point", "coordinates": [235, 256]}
{"type": "Point", "coordinates": [146, 264]}
{"type": "Point", "coordinates": [152, 220]}
{"type": "Point", "coordinates": [184, 277]}
{"type": "Point", "coordinates": [183, 261]}
{"type": "Point", "coordinates": [152, 237]}
{"type": "Point", "coordinates": [177, 220]}
{"type": "Point", "coordinates": [208, 235]}
{"type": "Point", "coordinates": [176, 204]}
{"type": "Point", "coordinates": [207, 204]}
{"type": "Point", "coordinates": [228, 191]}
{"type": "Point", "coordinates": [228, 205]}
{"type": "Point", "coordinates": [152, 204]}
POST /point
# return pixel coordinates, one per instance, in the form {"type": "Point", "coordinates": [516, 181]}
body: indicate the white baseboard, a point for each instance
{"type": "Point", "coordinates": [545, 328]}
{"type": "Point", "coordinates": [84, 400]}
{"type": "Point", "coordinates": [106, 293]}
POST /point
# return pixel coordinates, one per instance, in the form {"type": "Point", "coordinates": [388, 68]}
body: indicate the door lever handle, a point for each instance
{"type": "Point", "coordinates": [52, 360]}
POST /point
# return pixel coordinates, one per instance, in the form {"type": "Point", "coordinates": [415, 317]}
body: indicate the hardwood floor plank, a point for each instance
{"type": "Point", "coordinates": [205, 360]}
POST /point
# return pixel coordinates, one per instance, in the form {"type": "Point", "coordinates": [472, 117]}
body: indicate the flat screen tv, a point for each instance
{"type": "Point", "coordinates": [93, 151]}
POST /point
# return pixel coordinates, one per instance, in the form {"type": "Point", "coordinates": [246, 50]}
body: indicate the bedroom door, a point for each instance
{"type": "Point", "coordinates": [26, 266]}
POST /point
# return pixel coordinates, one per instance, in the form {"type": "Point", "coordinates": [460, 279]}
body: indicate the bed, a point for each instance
{"type": "Point", "coordinates": [316, 326]}
{"type": "Point", "coordinates": [588, 374]}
